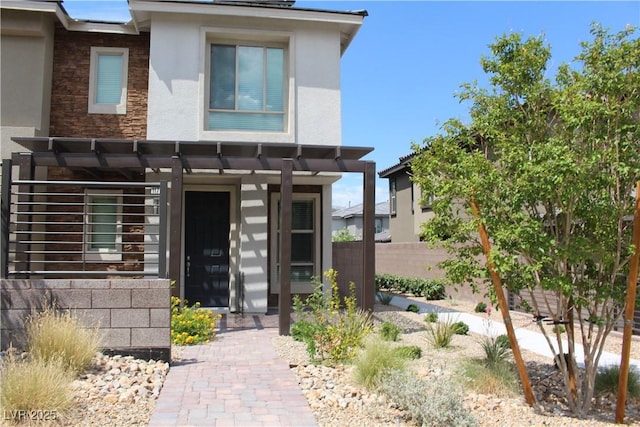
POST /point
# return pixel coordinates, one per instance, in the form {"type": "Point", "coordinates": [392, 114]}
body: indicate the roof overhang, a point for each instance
{"type": "Point", "coordinates": [348, 21]}
{"type": "Point", "coordinates": [56, 9]}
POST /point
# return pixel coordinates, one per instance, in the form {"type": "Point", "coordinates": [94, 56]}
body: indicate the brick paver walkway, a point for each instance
{"type": "Point", "coordinates": [237, 380]}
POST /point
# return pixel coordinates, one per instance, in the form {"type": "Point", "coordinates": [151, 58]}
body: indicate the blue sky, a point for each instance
{"type": "Point", "coordinates": [401, 72]}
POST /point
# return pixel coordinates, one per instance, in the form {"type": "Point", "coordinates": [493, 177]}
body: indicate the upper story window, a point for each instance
{"type": "Point", "coordinates": [108, 80]}
{"type": "Point", "coordinates": [247, 88]}
{"type": "Point", "coordinates": [392, 196]}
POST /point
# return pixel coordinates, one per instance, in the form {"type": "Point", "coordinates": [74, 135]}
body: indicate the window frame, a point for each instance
{"type": "Point", "coordinates": [104, 108]}
{"type": "Point", "coordinates": [393, 196]}
{"type": "Point", "coordinates": [237, 110]}
{"type": "Point", "coordinates": [296, 287]}
{"type": "Point", "coordinates": [248, 37]}
{"type": "Point", "coordinates": [102, 254]}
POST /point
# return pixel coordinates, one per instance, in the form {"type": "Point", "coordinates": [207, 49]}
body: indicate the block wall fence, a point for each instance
{"type": "Point", "coordinates": [133, 315]}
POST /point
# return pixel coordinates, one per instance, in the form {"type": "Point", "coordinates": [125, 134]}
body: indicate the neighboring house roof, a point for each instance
{"type": "Point", "coordinates": [381, 209]}
{"type": "Point", "coordinates": [401, 165]}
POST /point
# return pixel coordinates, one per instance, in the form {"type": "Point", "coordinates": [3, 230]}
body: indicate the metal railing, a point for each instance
{"type": "Point", "coordinates": [84, 229]}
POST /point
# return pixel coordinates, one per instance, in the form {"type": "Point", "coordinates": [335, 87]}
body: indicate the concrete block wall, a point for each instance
{"type": "Point", "coordinates": [416, 259]}
{"type": "Point", "coordinates": [133, 315]}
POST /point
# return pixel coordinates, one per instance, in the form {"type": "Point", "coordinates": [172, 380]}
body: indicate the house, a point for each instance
{"type": "Point", "coordinates": [407, 211]}
{"type": "Point", "coordinates": [350, 219]}
{"type": "Point", "coordinates": [194, 145]}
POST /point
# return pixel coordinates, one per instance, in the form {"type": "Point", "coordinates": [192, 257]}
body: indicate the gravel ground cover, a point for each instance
{"type": "Point", "coordinates": [337, 401]}
{"type": "Point", "coordinates": [121, 391]}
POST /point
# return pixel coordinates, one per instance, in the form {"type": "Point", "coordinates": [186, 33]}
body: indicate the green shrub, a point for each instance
{"type": "Point", "coordinates": [57, 335]}
{"type": "Point", "coordinates": [340, 327]}
{"type": "Point", "coordinates": [607, 381]}
{"type": "Point", "coordinates": [460, 328]}
{"type": "Point", "coordinates": [413, 308]}
{"type": "Point", "coordinates": [343, 236]}
{"type": "Point", "coordinates": [35, 385]}
{"type": "Point", "coordinates": [389, 331]}
{"type": "Point", "coordinates": [440, 334]}
{"type": "Point", "coordinates": [377, 360]}
{"type": "Point", "coordinates": [499, 379]}
{"type": "Point", "coordinates": [191, 325]}
{"type": "Point", "coordinates": [410, 352]}
{"type": "Point", "coordinates": [385, 297]}
{"type": "Point", "coordinates": [503, 340]}
{"type": "Point", "coordinates": [495, 350]}
{"type": "Point", "coordinates": [305, 331]}
{"type": "Point", "coordinates": [431, 289]}
{"type": "Point", "coordinates": [431, 403]}
{"type": "Point", "coordinates": [481, 307]}
{"type": "Point", "coordinates": [431, 317]}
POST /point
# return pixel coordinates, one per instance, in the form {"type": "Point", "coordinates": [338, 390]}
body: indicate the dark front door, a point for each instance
{"type": "Point", "coordinates": [206, 243]}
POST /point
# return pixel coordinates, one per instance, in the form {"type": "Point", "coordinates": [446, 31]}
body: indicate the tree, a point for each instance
{"type": "Point", "coordinates": [553, 166]}
{"type": "Point", "coordinates": [343, 236]}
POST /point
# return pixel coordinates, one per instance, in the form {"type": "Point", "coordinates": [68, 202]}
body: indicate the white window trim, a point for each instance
{"type": "Point", "coordinates": [102, 254]}
{"type": "Point", "coordinates": [296, 287]}
{"type": "Point", "coordinates": [121, 107]}
{"type": "Point", "coordinates": [221, 35]}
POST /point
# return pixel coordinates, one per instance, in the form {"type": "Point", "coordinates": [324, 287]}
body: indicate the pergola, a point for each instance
{"type": "Point", "coordinates": [129, 157]}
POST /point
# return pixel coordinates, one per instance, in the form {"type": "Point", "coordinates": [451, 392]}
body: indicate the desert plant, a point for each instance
{"type": "Point", "coordinates": [340, 327]}
{"type": "Point", "coordinates": [413, 308]}
{"type": "Point", "coordinates": [460, 328]}
{"type": "Point", "coordinates": [495, 350]}
{"type": "Point", "coordinates": [411, 352]}
{"type": "Point", "coordinates": [58, 335]}
{"type": "Point", "coordinates": [374, 362]}
{"type": "Point", "coordinates": [480, 307]}
{"type": "Point", "coordinates": [389, 331]}
{"type": "Point", "coordinates": [430, 403]}
{"type": "Point", "coordinates": [305, 331]}
{"type": "Point", "coordinates": [431, 317]}
{"type": "Point", "coordinates": [499, 379]}
{"type": "Point", "coordinates": [607, 381]}
{"type": "Point", "coordinates": [385, 298]}
{"type": "Point", "coordinates": [191, 325]}
{"type": "Point", "coordinates": [440, 334]}
{"type": "Point", "coordinates": [503, 340]}
{"type": "Point", "coordinates": [34, 384]}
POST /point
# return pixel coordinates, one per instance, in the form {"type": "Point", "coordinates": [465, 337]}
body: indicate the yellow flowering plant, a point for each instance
{"type": "Point", "coordinates": [191, 325]}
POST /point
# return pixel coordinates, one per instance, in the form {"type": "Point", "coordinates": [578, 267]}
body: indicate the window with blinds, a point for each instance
{"type": "Point", "coordinates": [108, 80]}
{"type": "Point", "coordinates": [246, 90]}
{"type": "Point", "coordinates": [103, 225]}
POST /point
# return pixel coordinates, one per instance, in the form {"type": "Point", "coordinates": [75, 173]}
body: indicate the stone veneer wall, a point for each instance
{"type": "Point", "coordinates": [70, 87]}
{"type": "Point", "coordinates": [134, 315]}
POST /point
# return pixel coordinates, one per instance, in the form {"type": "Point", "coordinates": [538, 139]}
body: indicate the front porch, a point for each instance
{"type": "Point", "coordinates": [53, 229]}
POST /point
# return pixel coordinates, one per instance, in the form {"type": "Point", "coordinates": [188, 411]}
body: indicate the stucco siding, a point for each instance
{"type": "Point", "coordinates": [179, 73]}
{"type": "Point", "coordinates": [254, 246]}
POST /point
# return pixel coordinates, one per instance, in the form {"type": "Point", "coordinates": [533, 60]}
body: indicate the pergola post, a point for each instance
{"type": "Point", "coordinates": [175, 233]}
{"type": "Point", "coordinates": [368, 238]}
{"type": "Point", "coordinates": [284, 301]}
{"type": "Point", "coordinates": [5, 202]}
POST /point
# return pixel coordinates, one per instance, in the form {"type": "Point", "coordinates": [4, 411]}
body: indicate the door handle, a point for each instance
{"type": "Point", "coordinates": [188, 265]}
